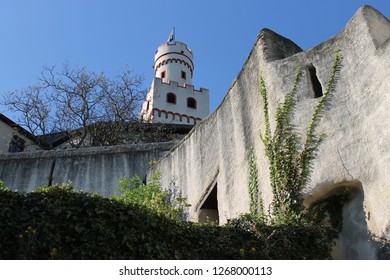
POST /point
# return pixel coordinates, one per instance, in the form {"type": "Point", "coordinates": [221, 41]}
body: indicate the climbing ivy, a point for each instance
{"type": "Point", "coordinates": [329, 209]}
{"type": "Point", "coordinates": [290, 158]}
{"type": "Point", "coordinates": [256, 207]}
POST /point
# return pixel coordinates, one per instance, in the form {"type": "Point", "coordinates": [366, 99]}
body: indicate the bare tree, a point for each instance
{"type": "Point", "coordinates": [34, 112]}
{"type": "Point", "coordinates": [92, 108]}
{"type": "Point", "coordinates": [123, 97]}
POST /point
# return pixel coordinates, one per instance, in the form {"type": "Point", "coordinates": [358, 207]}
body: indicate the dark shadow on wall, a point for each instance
{"type": "Point", "coordinates": [355, 242]}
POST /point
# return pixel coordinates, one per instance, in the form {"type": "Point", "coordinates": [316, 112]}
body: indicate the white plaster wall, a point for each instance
{"type": "Point", "coordinates": [356, 124]}
{"type": "Point", "coordinates": [173, 73]}
{"type": "Point", "coordinates": [158, 100]}
{"type": "Point", "coordinates": [94, 170]}
{"type": "Point", "coordinates": [173, 70]}
{"type": "Point", "coordinates": [6, 133]}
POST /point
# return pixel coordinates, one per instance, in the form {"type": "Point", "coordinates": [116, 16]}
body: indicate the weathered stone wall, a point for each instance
{"type": "Point", "coordinates": [95, 170]}
{"type": "Point", "coordinates": [356, 151]}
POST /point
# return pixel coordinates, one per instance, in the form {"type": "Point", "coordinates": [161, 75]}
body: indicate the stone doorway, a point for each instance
{"type": "Point", "coordinates": [208, 208]}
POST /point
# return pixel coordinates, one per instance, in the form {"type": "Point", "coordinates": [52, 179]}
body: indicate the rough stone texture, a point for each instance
{"type": "Point", "coordinates": [94, 170]}
{"type": "Point", "coordinates": [356, 151]}
{"type": "Point", "coordinates": [25, 174]}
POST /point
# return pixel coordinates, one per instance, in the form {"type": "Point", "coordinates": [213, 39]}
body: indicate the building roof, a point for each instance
{"type": "Point", "coordinates": [22, 131]}
{"type": "Point", "coordinates": [52, 140]}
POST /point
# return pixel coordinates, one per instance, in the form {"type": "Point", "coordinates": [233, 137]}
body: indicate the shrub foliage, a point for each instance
{"type": "Point", "coordinates": [59, 222]}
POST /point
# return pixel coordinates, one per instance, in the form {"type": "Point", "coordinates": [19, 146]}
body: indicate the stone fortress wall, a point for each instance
{"type": "Point", "coordinates": [210, 165]}
{"type": "Point", "coordinates": [94, 170]}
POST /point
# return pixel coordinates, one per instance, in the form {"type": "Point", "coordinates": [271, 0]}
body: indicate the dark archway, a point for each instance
{"type": "Point", "coordinates": [208, 209]}
{"type": "Point", "coordinates": [354, 241]}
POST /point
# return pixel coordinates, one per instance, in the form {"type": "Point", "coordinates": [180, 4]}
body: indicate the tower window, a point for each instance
{"type": "Point", "coordinates": [183, 75]}
{"type": "Point", "coordinates": [171, 98]}
{"type": "Point", "coordinates": [163, 75]}
{"type": "Point", "coordinates": [191, 103]}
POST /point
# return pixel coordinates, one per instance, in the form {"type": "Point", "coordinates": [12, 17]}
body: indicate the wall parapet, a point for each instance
{"type": "Point", "coordinates": [41, 154]}
{"type": "Point", "coordinates": [94, 169]}
{"type": "Point", "coordinates": [158, 82]}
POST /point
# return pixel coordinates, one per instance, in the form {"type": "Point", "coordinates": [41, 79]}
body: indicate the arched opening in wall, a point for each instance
{"type": "Point", "coordinates": [343, 208]}
{"type": "Point", "coordinates": [314, 83]}
{"type": "Point", "coordinates": [191, 102]}
{"type": "Point", "coordinates": [208, 207]}
{"type": "Point", "coordinates": [171, 98]}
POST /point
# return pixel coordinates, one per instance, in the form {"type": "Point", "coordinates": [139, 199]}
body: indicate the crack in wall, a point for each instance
{"type": "Point", "coordinates": [51, 173]}
{"type": "Point", "coordinates": [343, 164]}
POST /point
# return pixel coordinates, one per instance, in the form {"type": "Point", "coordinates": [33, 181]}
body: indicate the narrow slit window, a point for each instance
{"type": "Point", "coordinates": [183, 75]}
{"type": "Point", "coordinates": [163, 75]}
{"type": "Point", "coordinates": [314, 83]}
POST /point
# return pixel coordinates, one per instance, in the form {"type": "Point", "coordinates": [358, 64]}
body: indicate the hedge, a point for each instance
{"type": "Point", "coordinates": [59, 222]}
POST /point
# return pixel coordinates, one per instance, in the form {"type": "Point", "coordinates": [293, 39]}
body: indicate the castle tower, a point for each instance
{"type": "Point", "coordinates": [172, 97]}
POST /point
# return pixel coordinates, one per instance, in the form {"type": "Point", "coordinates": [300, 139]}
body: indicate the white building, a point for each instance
{"type": "Point", "coordinates": [172, 97]}
{"type": "Point", "coordinates": [15, 139]}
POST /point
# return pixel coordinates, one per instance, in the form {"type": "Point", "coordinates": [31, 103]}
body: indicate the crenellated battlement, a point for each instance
{"type": "Point", "coordinates": [173, 85]}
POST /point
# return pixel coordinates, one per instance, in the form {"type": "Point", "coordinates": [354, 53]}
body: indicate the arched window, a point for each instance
{"type": "Point", "coordinates": [171, 98]}
{"type": "Point", "coordinates": [191, 103]}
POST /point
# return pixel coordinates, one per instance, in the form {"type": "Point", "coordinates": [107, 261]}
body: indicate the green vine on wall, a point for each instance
{"type": "Point", "coordinates": [256, 202]}
{"type": "Point", "coordinates": [290, 158]}
{"type": "Point", "coordinates": [328, 209]}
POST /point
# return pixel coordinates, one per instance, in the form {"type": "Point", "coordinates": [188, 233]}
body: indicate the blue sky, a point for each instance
{"type": "Point", "coordinates": [107, 35]}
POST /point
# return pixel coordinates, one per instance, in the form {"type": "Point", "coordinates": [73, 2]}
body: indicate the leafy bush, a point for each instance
{"type": "Point", "coordinates": [59, 222]}
{"type": "Point", "coordinates": [151, 196]}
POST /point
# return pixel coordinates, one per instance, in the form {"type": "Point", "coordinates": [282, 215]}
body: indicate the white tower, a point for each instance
{"type": "Point", "coordinates": [171, 97]}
